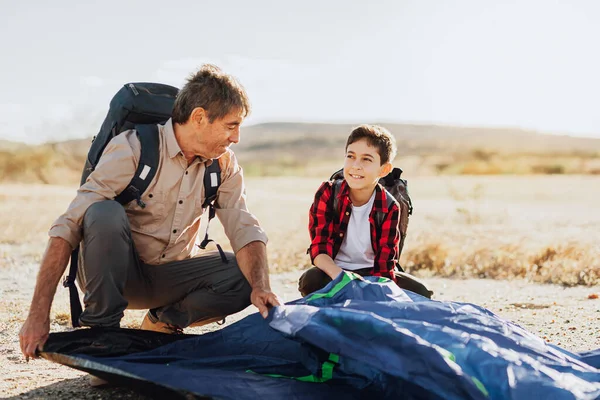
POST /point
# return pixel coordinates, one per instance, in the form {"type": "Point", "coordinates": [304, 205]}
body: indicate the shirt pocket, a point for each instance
{"type": "Point", "coordinates": [149, 218]}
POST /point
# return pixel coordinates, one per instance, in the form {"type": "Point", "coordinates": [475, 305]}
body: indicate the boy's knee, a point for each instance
{"type": "Point", "coordinates": [312, 280]}
{"type": "Point", "coordinates": [409, 282]}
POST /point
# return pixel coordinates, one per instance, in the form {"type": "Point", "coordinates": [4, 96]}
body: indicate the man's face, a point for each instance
{"type": "Point", "coordinates": [214, 138]}
{"type": "Point", "coordinates": [362, 168]}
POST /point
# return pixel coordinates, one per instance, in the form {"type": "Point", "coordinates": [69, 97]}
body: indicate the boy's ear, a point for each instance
{"type": "Point", "coordinates": [385, 169]}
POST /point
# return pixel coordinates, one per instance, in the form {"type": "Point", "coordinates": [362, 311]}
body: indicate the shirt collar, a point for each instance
{"type": "Point", "coordinates": [173, 148]}
{"type": "Point", "coordinates": [380, 203]}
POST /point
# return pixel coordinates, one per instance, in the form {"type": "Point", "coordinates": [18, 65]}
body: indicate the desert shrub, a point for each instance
{"type": "Point", "coordinates": [548, 169]}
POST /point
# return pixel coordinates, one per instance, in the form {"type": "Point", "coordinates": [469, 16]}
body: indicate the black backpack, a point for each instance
{"type": "Point", "coordinates": [396, 188]}
{"type": "Point", "coordinates": [139, 106]}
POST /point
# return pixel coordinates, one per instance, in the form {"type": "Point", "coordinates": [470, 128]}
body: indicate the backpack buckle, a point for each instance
{"type": "Point", "coordinates": [67, 282]}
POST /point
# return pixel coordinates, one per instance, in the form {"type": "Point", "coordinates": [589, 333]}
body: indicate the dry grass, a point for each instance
{"type": "Point", "coordinates": [569, 265]}
{"type": "Point", "coordinates": [482, 162]}
{"type": "Point", "coordinates": [317, 151]}
{"type": "Point", "coordinates": [541, 228]}
{"type": "Point", "coordinates": [48, 163]}
{"type": "Point", "coordinates": [61, 318]}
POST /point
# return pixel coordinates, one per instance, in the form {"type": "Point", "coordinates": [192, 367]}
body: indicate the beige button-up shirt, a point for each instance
{"type": "Point", "coordinates": [167, 228]}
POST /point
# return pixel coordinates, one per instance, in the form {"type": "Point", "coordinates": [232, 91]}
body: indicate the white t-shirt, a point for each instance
{"type": "Point", "coordinates": [356, 251]}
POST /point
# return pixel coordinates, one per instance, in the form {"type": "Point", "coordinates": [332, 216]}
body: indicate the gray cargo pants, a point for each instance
{"type": "Point", "coordinates": [179, 293]}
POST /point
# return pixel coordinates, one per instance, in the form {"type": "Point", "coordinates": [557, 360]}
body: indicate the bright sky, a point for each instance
{"type": "Point", "coordinates": [523, 63]}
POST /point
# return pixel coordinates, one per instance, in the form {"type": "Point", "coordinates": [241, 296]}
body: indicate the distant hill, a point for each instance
{"type": "Point", "coordinates": [316, 148]}
{"type": "Point", "coordinates": [318, 138]}
{"type": "Point", "coordinates": [7, 145]}
{"type": "Point", "coordinates": [422, 149]}
{"type": "Point", "coordinates": [417, 139]}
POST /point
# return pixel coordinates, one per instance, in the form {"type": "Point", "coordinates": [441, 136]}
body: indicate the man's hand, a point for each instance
{"type": "Point", "coordinates": [36, 328]}
{"type": "Point", "coordinates": [263, 300]}
{"type": "Point", "coordinates": [33, 335]}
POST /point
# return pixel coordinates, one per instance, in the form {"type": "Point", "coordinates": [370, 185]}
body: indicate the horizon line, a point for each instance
{"type": "Point", "coordinates": [348, 122]}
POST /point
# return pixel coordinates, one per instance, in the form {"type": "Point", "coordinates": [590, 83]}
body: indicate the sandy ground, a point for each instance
{"type": "Point", "coordinates": [524, 216]}
{"type": "Point", "coordinates": [563, 316]}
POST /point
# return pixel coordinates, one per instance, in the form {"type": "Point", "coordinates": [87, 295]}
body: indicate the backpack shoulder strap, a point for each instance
{"type": "Point", "coordinates": [212, 181]}
{"type": "Point", "coordinates": [69, 282]}
{"type": "Point", "coordinates": [336, 186]}
{"type": "Point", "coordinates": [146, 170]}
{"type": "Point", "coordinates": [336, 179]}
{"type": "Point", "coordinates": [390, 200]}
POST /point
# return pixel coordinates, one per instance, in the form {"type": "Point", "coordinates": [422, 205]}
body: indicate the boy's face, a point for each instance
{"type": "Point", "coordinates": [362, 168]}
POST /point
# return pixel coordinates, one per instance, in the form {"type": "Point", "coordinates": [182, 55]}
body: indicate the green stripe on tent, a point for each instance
{"type": "Point", "coordinates": [480, 386]}
{"type": "Point", "coordinates": [446, 354]}
{"type": "Point", "coordinates": [348, 277]}
{"type": "Point", "coordinates": [308, 378]}
{"type": "Point", "coordinates": [450, 356]}
{"type": "Point", "coordinates": [327, 368]}
{"type": "Point", "coordinates": [326, 372]}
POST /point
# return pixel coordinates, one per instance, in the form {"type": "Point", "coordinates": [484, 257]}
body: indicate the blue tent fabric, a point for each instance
{"type": "Point", "coordinates": [357, 338]}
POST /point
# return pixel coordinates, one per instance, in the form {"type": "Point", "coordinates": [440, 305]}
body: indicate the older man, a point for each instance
{"type": "Point", "coordinates": [143, 254]}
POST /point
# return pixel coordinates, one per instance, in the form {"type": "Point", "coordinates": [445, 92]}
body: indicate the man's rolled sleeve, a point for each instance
{"type": "Point", "coordinates": [320, 224]}
{"type": "Point", "coordinates": [241, 227]}
{"type": "Point", "coordinates": [111, 176]}
{"type": "Point", "coordinates": [67, 230]}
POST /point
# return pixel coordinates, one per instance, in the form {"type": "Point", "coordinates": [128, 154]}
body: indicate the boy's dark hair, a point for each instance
{"type": "Point", "coordinates": [214, 91]}
{"type": "Point", "coordinates": [378, 137]}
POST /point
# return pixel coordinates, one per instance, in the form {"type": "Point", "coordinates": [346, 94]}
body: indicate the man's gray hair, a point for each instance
{"type": "Point", "coordinates": [213, 90]}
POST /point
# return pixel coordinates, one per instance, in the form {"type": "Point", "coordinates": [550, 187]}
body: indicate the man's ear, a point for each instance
{"type": "Point", "coordinates": [198, 116]}
{"type": "Point", "coordinates": [385, 169]}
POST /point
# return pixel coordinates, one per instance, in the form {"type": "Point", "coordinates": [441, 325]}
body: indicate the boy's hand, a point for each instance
{"type": "Point", "coordinates": [264, 300]}
{"type": "Point", "coordinates": [327, 265]}
{"type": "Point", "coordinates": [334, 272]}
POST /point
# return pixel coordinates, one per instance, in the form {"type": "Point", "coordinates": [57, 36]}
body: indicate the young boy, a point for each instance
{"type": "Point", "coordinates": [346, 237]}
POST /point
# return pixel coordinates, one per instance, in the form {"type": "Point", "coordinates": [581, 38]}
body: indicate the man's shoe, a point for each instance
{"type": "Point", "coordinates": [149, 325]}
{"type": "Point", "coordinates": [97, 382]}
{"type": "Point", "coordinates": [218, 320]}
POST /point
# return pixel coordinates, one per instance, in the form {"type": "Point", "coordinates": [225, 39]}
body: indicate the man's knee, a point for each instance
{"type": "Point", "coordinates": [106, 216]}
{"type": "Point", "coordinates": [106, 246]}
{"type": "Point", "coordinates": [238, 290]}
{"type": "Point", "coordinates": [242, 300]}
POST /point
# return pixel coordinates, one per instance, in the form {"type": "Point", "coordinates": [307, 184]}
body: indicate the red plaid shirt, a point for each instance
{"type": "Point", "coordinates": [327, 227]}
